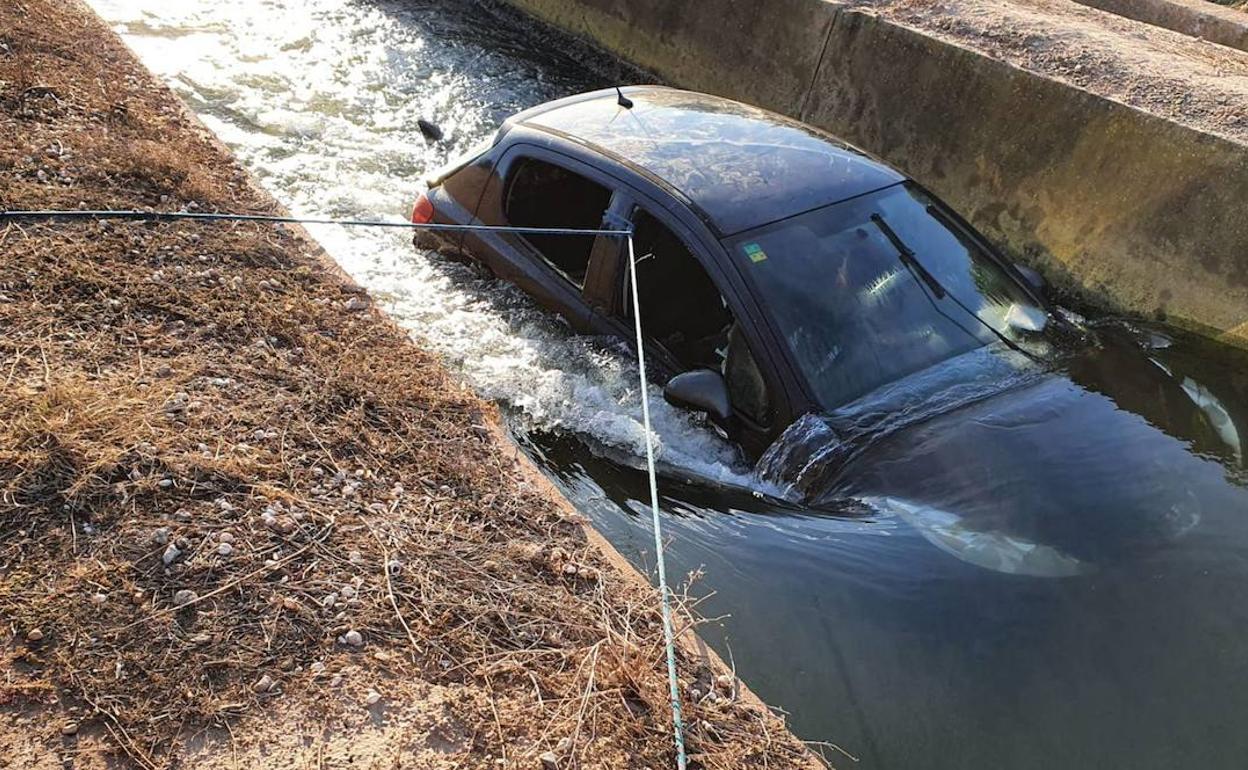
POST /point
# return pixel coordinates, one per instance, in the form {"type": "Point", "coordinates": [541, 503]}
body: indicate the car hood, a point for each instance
{"type": "Point", "coordinates": [1124, 447]}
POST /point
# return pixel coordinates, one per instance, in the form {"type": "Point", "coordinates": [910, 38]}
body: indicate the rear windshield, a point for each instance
{"type": "Point", "coordinates": [854, 315]}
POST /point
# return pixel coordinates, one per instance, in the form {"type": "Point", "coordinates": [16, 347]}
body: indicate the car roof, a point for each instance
{"type": "Point", "coordinates": [741, 166]}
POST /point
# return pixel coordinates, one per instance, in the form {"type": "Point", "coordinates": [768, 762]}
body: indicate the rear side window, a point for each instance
{"type": "Point", "coordinates": [542, 194]}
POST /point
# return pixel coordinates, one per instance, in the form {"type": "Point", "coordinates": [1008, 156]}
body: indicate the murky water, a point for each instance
{"type": "Point", "coordinates": [850, 617]}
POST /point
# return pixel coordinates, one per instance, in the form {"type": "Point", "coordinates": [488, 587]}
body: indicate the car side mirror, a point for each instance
{"type": "Point", "coordinates": [701, 390]}
{"type": "Point", "coordinates": [1033, 279]}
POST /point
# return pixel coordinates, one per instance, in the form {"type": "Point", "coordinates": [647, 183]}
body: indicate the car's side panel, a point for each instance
{"type": "Point", "coordinates": [448, 210]}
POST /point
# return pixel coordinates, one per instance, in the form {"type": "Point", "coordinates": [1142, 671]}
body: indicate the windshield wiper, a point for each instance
{"type": "Point", "coordinates": [912, 263]}
{"type": "Point", "coordinates": [906, 254]}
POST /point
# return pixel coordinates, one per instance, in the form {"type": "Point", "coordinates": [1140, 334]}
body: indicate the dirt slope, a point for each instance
{"type": "Point", "coordinates": [243, 520]}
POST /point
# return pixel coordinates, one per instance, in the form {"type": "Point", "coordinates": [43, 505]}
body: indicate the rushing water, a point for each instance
{"type": "Point", "coordinates": [847, 616]}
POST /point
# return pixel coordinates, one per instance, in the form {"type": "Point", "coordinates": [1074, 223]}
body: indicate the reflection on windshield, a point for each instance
{"type": "Point", "coordinates": [851, 312]}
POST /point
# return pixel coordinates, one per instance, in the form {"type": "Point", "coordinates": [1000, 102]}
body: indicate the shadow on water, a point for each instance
{"type": "Point", "coordinates": [845, 615]}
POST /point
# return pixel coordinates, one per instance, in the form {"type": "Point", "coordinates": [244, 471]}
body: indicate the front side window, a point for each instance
{"type": "Point", "coordinates": [543, 194]}
{"type": "Point", "coordinates": [854, 314]}
{"type": "Point", "coordinates": [683, 311]}
{"type": "Point", "coordinates": [681, 308]}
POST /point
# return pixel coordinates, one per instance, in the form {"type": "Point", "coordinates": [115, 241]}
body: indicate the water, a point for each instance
{"type": "Point", "coordinates": [846, 614]}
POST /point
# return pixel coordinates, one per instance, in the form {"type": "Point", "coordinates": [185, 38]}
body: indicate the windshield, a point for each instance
{"type": "Point", "coordinates": [856, 314]}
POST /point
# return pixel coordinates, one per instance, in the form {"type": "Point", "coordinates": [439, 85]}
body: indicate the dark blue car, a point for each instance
{"type": "Point", "coordinates": [842, 323]}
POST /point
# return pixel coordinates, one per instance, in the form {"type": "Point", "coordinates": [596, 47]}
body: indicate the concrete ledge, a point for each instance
{"type": "Point", "coordinates": [1116, 205]}
{"type": "Point", "coordinates": [1198, 18]}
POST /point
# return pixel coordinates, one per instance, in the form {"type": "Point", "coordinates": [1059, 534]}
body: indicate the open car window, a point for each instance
{"type": "Point", "coordinates": [542, 194]}
{"type": "Point", "coordinates": [681, 308]}
{"type": "Point", "coordinates": [684, 312]}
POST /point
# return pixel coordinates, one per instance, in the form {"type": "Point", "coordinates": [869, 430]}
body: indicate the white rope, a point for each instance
{"type": "Point", "coordinates": [669, 636]}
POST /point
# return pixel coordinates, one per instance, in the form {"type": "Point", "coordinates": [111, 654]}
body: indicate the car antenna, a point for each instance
{"type": "Point", "coordinates": [623, 100]}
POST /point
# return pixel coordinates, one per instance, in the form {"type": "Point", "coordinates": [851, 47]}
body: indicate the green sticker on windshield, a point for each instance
{"type": "Point", "coordinates": [755, 252]}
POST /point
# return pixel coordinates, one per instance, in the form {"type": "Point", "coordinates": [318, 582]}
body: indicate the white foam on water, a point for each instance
{"type": "Point", "coordinates": [319, 99]}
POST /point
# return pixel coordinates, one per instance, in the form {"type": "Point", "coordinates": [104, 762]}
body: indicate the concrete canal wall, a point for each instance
{"type": "Point", "coordinates": [1118, 206]}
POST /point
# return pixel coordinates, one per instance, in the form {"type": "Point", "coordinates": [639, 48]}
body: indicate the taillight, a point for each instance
{"type": "Point", "coordinates": [422, 212]}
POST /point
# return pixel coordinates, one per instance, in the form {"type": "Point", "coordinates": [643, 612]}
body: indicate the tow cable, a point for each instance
{"type": "Point", "coordinates": [625, 231]}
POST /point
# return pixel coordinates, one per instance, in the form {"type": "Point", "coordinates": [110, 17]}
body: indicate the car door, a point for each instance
{"type": "Point", "coordinates": [692, 316]}
{"type": "Point", "coordinates": [541, 188]}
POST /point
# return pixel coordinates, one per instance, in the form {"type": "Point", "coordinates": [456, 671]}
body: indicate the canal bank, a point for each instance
{"type": "Point", "coordinates": [245, 520]}
{"type": "Point", "coordinates": [1108, 152]}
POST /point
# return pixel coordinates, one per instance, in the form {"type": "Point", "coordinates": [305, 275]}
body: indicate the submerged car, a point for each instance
{"type": "Point", "coordinates": [839, 321]}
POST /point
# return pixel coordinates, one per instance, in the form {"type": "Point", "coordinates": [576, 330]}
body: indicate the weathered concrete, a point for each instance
{"type": "Point", "coordinates": [1118, 206]}
{"type": "Point", "coordinates": [1198, 18]}
{"type": "Point", "coordinates": [763, 53]}
{"type": "Point", "coordinates": [1130, 209]}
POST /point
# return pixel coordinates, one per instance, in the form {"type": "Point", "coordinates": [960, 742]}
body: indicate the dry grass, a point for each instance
{"type": "Point", "coordinates": [215, 471]}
